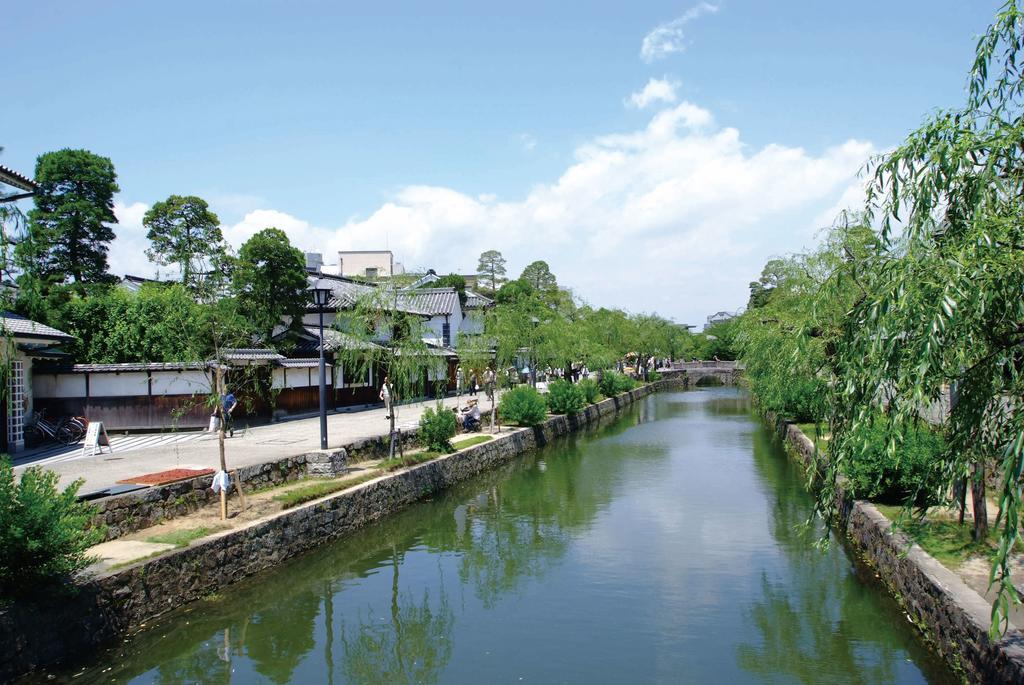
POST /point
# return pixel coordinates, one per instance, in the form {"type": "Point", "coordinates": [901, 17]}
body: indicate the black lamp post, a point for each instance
{"type": "Point", "coordinates": [321, 296]}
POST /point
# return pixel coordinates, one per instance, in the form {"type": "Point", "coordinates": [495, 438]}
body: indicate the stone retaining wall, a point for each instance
{"type": "Point", "coordinates": [56, 631]}
{"type": "Point", "coordinates": [952, 616]}
{"type": "Point", "coordinates": [125, 514]}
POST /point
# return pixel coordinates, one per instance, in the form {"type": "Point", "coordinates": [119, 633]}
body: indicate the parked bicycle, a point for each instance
{"type": "Point", "coordinates": [64, 431]}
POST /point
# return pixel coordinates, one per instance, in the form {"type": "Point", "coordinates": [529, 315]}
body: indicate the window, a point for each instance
{"type": "Point", "coordinates": [371, 272]}
{"type": "Point", "coordinates": [16, 404]}
{"type": "Point", "coordinates": [446, 333]}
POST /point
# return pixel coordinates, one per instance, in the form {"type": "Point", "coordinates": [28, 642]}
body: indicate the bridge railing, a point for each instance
{"type": "Point", "coordinates": [699, 365]}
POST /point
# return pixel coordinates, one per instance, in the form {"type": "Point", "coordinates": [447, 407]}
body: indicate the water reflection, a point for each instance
{"type": "Point", "coordinates": [816, 621]}
{"type": "Point", "coordinates": [665, 546]}
{"type": "Point", "coordinates": [411, 644]}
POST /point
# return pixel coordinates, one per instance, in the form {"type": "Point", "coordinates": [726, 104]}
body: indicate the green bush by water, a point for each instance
{"type": "Point", "coordinates": [565, 398]}
{"type": "Point", "coordinates": [523, 406]}
{"type": "Point", "coordinates": [43, 530]}
{"type": "Point", "coordinates": [614, 383]}
{"type": "Point", "coordinates": [894, 474]}
{"type": "Point", "coordinates": [590, 390]}
{"type": "Point", "coordinates": [438, 426]}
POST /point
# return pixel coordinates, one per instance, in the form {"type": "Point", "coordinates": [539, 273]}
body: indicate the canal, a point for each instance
{"type": "Point", "coordinates": [664, 547]}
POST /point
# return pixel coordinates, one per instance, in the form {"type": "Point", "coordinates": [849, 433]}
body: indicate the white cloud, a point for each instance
{"type": "Point", "coordinates": [677, 217]}
{"type": "Point", "coordinates": [127, 252]}
{"type": "Point", "coordinates": [656, 90]}
{"type": "Point", "coordinates": [668, 38]}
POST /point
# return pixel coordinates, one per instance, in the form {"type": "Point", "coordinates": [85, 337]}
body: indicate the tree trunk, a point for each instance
{"type": "Point", "coordinates": [220, 440]}
{"type": "Point", "coordinates": [978, 500]}
{"type": "Point", "coordinates": [391, 433]}
{"type": "Point", "coordinates": [960, 495]}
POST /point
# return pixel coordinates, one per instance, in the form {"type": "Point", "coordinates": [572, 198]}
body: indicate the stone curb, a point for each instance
{"type": "Point", "coordinates": [952, 616]}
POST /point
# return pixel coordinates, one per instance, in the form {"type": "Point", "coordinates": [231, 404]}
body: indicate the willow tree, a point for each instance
{"type": "Point", "coordinates": [383, 330]}
{"type": "Point", "coordinates": [946, 306]}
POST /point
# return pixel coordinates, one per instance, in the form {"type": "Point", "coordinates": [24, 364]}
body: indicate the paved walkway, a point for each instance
{"type": "Point", "coordinates": [141, 454]}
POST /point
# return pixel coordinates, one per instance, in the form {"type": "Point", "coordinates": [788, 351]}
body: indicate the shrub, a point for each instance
{"type": "Point", "coordinates": [614, 383]}
{"type": "Point", "coordinates": [43, 531]}
{"type": "Point", "coordinates": [565, 398]}
{"type": "Point", "coordinates": [523, 406]}
{"type": "Point", "coordinates": [653, 376]}
{"type": "Point", "coordinates": [910, 472]}
{"type": "Point", "coordinates": [588, 386]}
{"type": "Point", "coordinates": [438, 426]}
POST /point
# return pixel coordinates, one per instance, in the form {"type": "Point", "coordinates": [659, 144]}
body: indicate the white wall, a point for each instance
{"type": "Point", "coordinates": [118, 384]}
{"type": "Point", "coordinates": [356, 263]}
{"type": "Point", "coordinates": [64, 385]}
{"type": "Point", "coordinates": [180, 383]}
{"type": "Point", "coordinates": [50, 385]}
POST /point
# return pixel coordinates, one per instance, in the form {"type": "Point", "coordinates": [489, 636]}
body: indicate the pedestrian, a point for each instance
{"type": "Point", "coordinates": [385, 396]}
{"type": "Point", "coordinates": [473, 384]}
{"type": "Point", "coordinates": [460, 379]}
{"type": "Point", "coordinates": [489, 382]}
{"type": "Point", "coordinates": [228, 404]}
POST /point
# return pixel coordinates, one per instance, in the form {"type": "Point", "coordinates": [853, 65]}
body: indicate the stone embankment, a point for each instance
{"type": "Point", "coordinates": [52, 631]}
{"type": "Point", "coordinates": [953, 617]}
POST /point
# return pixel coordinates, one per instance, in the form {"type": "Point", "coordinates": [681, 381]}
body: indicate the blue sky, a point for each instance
{"type": "Point", "coordinates": [443, 129]}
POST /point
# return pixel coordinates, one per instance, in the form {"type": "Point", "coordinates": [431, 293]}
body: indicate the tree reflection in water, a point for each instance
{"type": "Point", "coordinates": [818, 622]}
{"type": "Point", "coordinates": [413, 647]}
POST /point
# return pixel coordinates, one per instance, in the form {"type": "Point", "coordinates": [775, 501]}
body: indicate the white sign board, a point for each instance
{"type": "Point", "coordinates": [96, 437]}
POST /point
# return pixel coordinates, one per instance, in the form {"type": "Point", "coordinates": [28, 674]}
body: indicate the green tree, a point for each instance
{"type": "Point", "coordinates": [945, 305]}
{"type": "Point", "coordinates": [513, 291]}
{"type": "Point", "coordinates": [451, 281]}
{"type": "Point", "coordinates": [761, 289]}
{"type": "Point", "coordinates": [269, 281]}
{"type": "Point", "coordinates": [491, 271]}
{"type": "Point", "coordinates": [44, 534]}
{"type": "Point", "coordinates": [69, 229]}
{"type": "Point", "coordinates": [380, 333]}
{"type": "Point", "coordinates": [538, 275]}
{"type": "Point", "coordinates": [184, 231]}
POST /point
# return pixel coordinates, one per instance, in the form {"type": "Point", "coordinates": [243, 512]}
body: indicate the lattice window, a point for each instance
{"type": "Point", "coordinates": [16, 406]}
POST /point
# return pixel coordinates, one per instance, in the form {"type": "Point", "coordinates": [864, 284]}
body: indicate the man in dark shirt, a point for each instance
{"type": "Point", "coordinates": [228, 407]}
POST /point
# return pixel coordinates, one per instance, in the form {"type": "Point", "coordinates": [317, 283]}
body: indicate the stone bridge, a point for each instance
{"type": "Point", "coordinates": [704, 373]}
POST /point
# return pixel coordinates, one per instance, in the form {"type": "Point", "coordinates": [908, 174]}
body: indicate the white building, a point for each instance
{"type": "Point", "coordinates": [25, 340]}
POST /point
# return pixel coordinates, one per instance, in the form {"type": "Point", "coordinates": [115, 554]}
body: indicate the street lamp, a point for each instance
{"type": "Point", "coordinates": [321, 296]}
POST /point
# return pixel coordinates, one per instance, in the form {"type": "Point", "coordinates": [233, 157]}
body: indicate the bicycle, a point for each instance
{"type": "Point", "coordinates": [61, 431]}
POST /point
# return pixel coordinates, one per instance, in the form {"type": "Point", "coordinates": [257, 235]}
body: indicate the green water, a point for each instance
{"type": "Point", "coordinates": [663, 548]}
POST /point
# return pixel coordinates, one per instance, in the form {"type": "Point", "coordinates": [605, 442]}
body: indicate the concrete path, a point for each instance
{"type": "Point", "coordinates": [259, 444]}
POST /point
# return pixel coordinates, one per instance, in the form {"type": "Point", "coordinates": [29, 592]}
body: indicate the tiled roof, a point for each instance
{"type": "Point", "coordinates": [20, 327]}
{"type": "Point", "coordinates": [250, 354]}
{"type": "Point", "coordinates": [300, 363]}
{"type": "Point", "coordinates": [475, 300]}
{"type": "Point", "coordinates": [336, 340]}
{"type": "Point", "coordinates": [430, 301]}
{"type": "Point", "coordinates": [345, 293]}
{"type": "Point", "coordinates": [13, 178]}
{"type": "Point", "coordinates": [141, 366]}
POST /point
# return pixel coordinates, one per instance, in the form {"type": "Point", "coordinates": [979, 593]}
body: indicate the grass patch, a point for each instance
{"type": "Point", "coordinates": [182, 538]}
{"type": "Point", "coordinates": [946, 540]}
{"type": "Point", "coordinates": [469, 442]}
{"type": "Point", "coordinates": [318, 489]}
{"type": "Point", "coordinates": [822, 441]}
{"type": "Point", "coordinates": [123, 564]}
{"type": "Point", "coordinates": [410, 459]}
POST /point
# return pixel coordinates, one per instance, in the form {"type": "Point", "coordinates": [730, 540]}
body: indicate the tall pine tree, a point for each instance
{"type": "Point", "coordinates": [69, 230]}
